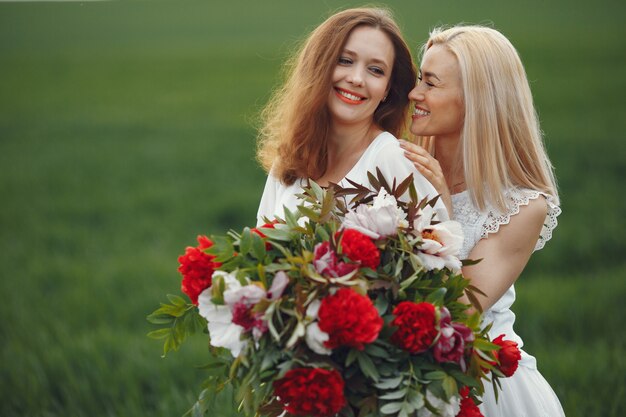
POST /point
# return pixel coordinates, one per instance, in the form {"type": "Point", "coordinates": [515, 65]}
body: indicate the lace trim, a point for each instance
{"type": "Point", "coordinates": [521, 197]}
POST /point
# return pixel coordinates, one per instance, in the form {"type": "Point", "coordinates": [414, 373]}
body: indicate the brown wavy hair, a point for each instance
{"type": "Point", "coordinates": [293, 136]}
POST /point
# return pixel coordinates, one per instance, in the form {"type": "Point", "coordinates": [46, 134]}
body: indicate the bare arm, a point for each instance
{"type": "Point", "coordinates": [505, 253]}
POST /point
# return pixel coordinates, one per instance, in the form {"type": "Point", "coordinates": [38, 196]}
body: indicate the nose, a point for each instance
{"type": "Point", "coordinates": [416, 94]}
{"type": "Point", "coordinates": [355, 77]}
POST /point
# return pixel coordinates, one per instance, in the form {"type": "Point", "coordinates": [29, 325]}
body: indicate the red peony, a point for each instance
{"type": "Point", "coordinates": [311, 392]}
{"type": "Point", "coordinates": [349, 318]}
{"type": "Point", "coordinates": [508, 356]}
{"type": "Point", "coordinates": [453, 338]}
{"type": "Point", "coordinates": [197, 269]}
{"type": "Point", "coordinates": [327, 264]}
{"type": "Point", "coordinates": [416, 323]}
{"type": "Point", "coordinates": [360, 248]}
{"type": "Point", "coordinates": [468, 406]}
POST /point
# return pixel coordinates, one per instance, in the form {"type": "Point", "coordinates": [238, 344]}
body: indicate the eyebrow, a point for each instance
{"type": "Point", "coordinates": [375, 60]}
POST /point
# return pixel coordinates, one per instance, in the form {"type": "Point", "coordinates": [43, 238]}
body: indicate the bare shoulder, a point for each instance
{"type": "Point", "coordinates": [532, 214]}
{"type": "Point", "coordinates": [524, 228]}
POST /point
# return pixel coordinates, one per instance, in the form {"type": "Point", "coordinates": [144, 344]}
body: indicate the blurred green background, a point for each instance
{"type": "Point", "coordinates": [127, 128]}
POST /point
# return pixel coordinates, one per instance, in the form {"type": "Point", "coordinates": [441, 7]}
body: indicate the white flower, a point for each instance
{"type": "Point", "coordinates": [441, 242]}
{"type": "Point", "coordinates": [382, 218]}
{"type": "Point", "coordinates": [314, 336]}
{"type": "Point", "coordinates": [222, 331]}
{"type": "Point", "coordinates": [445, 409]}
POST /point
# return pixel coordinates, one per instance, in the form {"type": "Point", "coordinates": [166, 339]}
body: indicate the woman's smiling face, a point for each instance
{"type": "Point", "coordinates": [438, 109]}
{"type": "Point", "coordinates": [361, 77]}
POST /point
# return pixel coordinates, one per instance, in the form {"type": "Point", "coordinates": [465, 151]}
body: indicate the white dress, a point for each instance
{"type": "Point", "coordinates": [526, 393]}
{"type": "Point", "coordinates": [384, 152]}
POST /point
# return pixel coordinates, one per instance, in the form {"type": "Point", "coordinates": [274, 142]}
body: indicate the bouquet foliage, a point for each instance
{"type": "Point", "coordinates": [351, 306]}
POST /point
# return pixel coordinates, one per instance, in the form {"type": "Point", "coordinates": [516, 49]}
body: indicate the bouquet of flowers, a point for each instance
{"type": "Point", "coordinates": [351, 305]}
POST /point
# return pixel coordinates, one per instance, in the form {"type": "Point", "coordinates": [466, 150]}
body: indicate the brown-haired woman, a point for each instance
{"type": "Point", "coordinates": [339, 112]}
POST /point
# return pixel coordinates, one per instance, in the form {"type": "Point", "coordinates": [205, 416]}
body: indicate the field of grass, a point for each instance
{"type": "Point", "coordinates": [127, 128]}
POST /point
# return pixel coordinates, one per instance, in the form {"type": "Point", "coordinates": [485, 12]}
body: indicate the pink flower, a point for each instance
{"type": "Point", "coordinates": [453, 337]}
{"type": "Point", "coordinates": [326, 262]}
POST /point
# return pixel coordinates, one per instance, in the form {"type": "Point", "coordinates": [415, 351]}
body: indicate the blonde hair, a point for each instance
{"type": "Point", "coordinates": [295, 122]}
{"type": "Point", "coordinates": [502, 143]}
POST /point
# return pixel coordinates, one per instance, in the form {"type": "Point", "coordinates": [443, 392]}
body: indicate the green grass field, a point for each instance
{"type": "Point", "coordinates": [127, 128]}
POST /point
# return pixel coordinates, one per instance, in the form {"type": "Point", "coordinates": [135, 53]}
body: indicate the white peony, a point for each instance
{"type": "Point", "coordinates": [441, 242]}
{"type": "Point", "coordinates": [445, 409]}
{"type": "Point", "coordinates": [223, 332]}
{"type": "Point", "coordinates": [314, 336]}
{"type": "Point", "coordinates": [382, 218]}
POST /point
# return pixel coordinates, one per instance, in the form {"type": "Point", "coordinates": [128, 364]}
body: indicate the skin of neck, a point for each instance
{"type": "Point", "coordinates": [350, 140]}
{"type": "Point", "coordinates": [447, 152]}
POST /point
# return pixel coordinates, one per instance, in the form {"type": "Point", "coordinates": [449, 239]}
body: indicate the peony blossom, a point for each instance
{"type": "Point", "coordinates": [359, 248]}
{"type": "Point", "coordinates": [327, 264]}
{"type": "Point", "coordinates": [227, 323]}
{"type": "Point", "coordinates": [311, 392]}
{"type": "Point", "coordinates": [416, 326]}
{"type": "Point", "coordinates": [508, 355]}
{"type": "Point", "coordinates": [453, 337]}
{"type": "Point", "coordinates": [315, 338]}
{"type": "Point", "coordinates": [197, 269]}
{"type": "Point", "coordinates": [444, 408]}
{"type": "Point", "coordinates": [349, 319]}
{"type": "Point", "coordinates": [440, 242]}
{"type": "Point", "coordinates": [222, 331]}
{"type": "Point", "coordinates": [279, 283]}
{"type": "Point", "coordinates": [382, 218]}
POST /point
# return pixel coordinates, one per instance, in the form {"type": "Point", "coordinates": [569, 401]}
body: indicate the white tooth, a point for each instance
{"type": "Point", "coordinates": [349, 96]}
{"type": "Point", "coordinates": [420, 112]}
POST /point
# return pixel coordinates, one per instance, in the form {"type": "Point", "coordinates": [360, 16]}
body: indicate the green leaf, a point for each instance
{"type": "Point", "coordinates": [416, 399]}
{"type": "Point", "coordinates": [381, 304]}
{"type": "Point", "coordinates": [449, 386]}
{"type": "Point", "coordinates": [367, 367]}
{"type": "Point", "coordinates": [389, 383]}
{"type": "Point", "coordinates": [391, 408]}
{"type": "Point", "coordinates": [245, 243]}
{"type": "Point", "coordinates": [176, 300]}
{"type": "Point", "coordinates": [160, 333]}
{"type": "Point", "coordinates": [434, 375]}
{"type": "Point", "coordinates": [352, 356]}
{"type": "Point", "coordinates": [394, 395]}
{"type": "Point", "coordinates": [258, 246]}
{"type": "Point", "coordinates": [436, 297]}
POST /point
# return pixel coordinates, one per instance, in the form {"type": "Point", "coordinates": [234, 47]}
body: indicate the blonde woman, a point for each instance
{"type": "Point", "coordinates": [340, 110]}
{"type": "Point", "coordinates": [473, 109]}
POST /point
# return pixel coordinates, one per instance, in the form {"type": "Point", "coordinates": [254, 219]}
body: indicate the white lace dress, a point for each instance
{"type": "Point", "coordinates": [526, 393]}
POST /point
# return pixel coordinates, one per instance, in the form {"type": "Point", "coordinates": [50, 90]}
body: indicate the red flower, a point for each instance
{"type": "Point", "coordinates": [350, 319]}
{"type": "Point", "coordinates": [360, 248]}
{"type": "Point", "coordinates": [468, 406]}
{"type": "Point", "coordinates": [311, 392]}
{"type": "Point", "coordinates": [268, 245]}
{"type": "Point", "coordinates": [197, 269]}
{"type": "Point", "coordinates": [453, 337]}
{"type": "Point", "coordinates": [327, 264]}
{"type": "Point", "coordinates": [508, 356]}
{"type": "Point", "coordinates": [416, 326]}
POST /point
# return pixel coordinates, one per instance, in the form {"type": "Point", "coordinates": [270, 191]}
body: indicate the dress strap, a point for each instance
{"type": "Point", "coordinates": [516, 198]}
